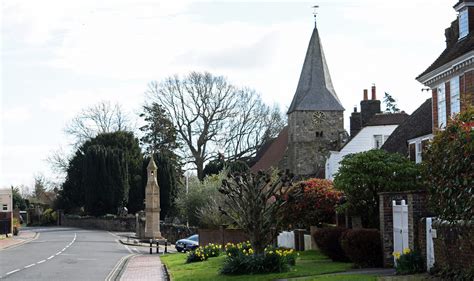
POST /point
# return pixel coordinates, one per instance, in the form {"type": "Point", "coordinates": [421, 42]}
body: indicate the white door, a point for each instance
{"type": "Point", "coordinates": [430, 233]}
{"type": "Point", "coordinates": [400, 226]}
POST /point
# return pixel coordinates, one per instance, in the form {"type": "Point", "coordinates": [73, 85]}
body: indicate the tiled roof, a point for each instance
{"type": "Point", "coordinates": [273, 154]}
{"type": "Point", "coordinates": [457, 49]}
{"type": "Point", "coordinates": [315, 90]}
{"type": "Point", "coordinates": [418, 124]}
{"type": "Point", "coordinates": [381, 119]}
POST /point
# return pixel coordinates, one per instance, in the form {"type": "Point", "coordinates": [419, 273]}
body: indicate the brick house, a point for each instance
{"type": "Point", "coordinates": [451, 76]}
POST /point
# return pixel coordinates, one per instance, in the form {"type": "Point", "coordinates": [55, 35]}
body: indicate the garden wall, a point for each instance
{"type": "Point", "coordinates": [171, 232]}
{"type": "Point", "coordinates": [454, 245]}
{"type": "Point", "coordinates": [221, 236]}
{"type": "Point", "coordinates": [417, 208]}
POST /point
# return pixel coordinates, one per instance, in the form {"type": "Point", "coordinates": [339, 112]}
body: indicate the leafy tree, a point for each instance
{"type": "Point", "coordinates": [105, 180]}
{"type": "Point", "coordinates": [449, 170]}
{"type": "Point", "coordinates": [253, 201]}
{"type": "Point", "coordinates": [390, 103]}
{"type": "Point", "coordinates": [312, 205]}
{"type": "Point", "coordinates": [159, 131]}
{"type": "Point", "coordinates": [362, 176]}
{"type": "Point", "coordinates": [199, 197]}
{"type": "Point", "coordinates": [202, 106]}
{"type": "Point", "coordinates": [18, 201]}
{"type": "Point", "coordinates": [117, 146]}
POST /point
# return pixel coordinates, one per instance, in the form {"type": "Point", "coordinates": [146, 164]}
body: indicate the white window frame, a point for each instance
{"type": "Point", "coordinates": [455, 95]}
{"type": "Point", "coordinates": [419, 147]}
{"type": "Point", "coordinates": [463, 24]}
{"type": "Point", "coordinates": [383, 138]}
{"type": "Point", "coordinates": [441, 106]}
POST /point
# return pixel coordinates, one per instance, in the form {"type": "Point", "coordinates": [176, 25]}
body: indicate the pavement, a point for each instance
{"type": "Point", "coordinates": [143, 267]}
{"type": "Point", "coordinates": [24, 236]}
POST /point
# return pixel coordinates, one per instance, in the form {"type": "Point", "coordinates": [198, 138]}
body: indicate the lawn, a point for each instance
{"type": "Point", "coordinates": [309, 263]}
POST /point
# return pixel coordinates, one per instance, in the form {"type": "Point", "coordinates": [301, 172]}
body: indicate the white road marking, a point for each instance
{"type": "Point", "coordinates": [64, 249]}
{"type": "Point", "coordinates": [50, 257]}
{"type": "Point", "coordinates": [33, 264]}
{"type": "Point", "coordinates": [13, 271]}
{"type": "Point", "coordinates": [58, 253]}
{"type": "Point", "coordinates": [41, 261]}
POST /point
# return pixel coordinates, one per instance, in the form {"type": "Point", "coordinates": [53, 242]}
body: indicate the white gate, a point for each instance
{"type": "Point", "coordinates": [286, 239]}
{"type": "Point", "coordinates": [430, 234]}
{"type": "Point", "coordinates": [400, 226]}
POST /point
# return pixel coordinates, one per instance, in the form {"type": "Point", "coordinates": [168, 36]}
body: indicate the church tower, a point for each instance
{"type": "Point", "coordinates": [315, 116]}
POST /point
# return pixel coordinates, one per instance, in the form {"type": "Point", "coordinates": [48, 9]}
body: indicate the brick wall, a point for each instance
{"type": "Point", "coordinates": [221, 236]}
{"type": "Point", "coordinates": [454, 245]}
{"type": "Point", "coordinates": [417, 208]}
{"type": "Point", "coordinates": [435, 109]}
{"type": "Point", "coordinates": [466, 87]}
{"type": "Point", "coordinates": [421, 237]}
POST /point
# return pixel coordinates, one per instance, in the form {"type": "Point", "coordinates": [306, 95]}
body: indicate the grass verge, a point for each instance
{"type": "Point", "coordinates": [309, 263]}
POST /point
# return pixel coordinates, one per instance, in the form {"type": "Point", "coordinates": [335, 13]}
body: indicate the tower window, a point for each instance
{"type": "Point", "coordinates": [319, 134]}
{"type": "Point", "coordinates": [463, 24]}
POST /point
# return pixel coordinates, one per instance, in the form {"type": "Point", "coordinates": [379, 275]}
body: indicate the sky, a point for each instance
{"type": "Point", "coordinates": [58, 57]}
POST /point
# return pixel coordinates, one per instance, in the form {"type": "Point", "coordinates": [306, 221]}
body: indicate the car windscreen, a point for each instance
{"type": "Point", "coordinates": [193, 238]}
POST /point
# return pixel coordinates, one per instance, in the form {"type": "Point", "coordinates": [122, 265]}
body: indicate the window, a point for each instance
{"type": "Point", "coordinates": [419, 149]}
{"type": "Point", "coordinates": [455, 103]}
{"type": "Point", "coordinates": [441, 107]}
{"type": "Point", "coordinates": [5, 207]}
{"type": "Point", "coordinates": [378, 141]}
{"type": "Point", "coordinates": [463, 24]}
{"type": "Point", "coordinates": [319, 134]}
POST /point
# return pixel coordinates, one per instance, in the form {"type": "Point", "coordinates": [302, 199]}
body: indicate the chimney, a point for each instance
{"type": "Point", "coordinates": [366, 97]}
{"type": "Point", "coordinates": [355, 108]}
{"type": "Point", "coordinates": [374, 95]}
{"type": "Point", "coordinates": [368, 108]}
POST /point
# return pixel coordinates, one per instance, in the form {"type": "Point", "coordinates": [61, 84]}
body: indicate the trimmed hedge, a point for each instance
{"type": "Point", "coordinates": [363, 247]}
{"type": "Point", "coordinates": [328, 241]}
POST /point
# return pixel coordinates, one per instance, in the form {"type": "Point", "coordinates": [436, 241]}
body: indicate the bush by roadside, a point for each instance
{"type": "Point", "coordinates": [363, 247]}
{"type": "Point", "coordinates": [328, 241]}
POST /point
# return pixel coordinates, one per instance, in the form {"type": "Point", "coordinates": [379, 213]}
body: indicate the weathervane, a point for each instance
{"type": "Point", "coordinates": [315, 13]}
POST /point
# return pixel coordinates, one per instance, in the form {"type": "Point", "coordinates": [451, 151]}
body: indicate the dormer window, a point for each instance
{"type": "Point", "coordinates": [463, 24]}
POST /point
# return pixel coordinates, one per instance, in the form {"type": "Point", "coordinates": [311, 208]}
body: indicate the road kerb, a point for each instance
{"type": "Point", "coordinates": [37, 234]}
{"type": "Point", "coordinates": [117, 271]}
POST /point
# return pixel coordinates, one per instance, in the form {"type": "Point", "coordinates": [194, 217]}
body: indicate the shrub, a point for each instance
{"type": "Point", "coordinates": [313, 206]}
{"type": "Point", "coordinates": [408, 262]}
{"type": "Point", "coordinates": [49, 217]}
{"type": "Point", "coordinates": [242, 260]}
{"type": "Point", "coordinates": [196, 255]}
{"type": "Point", "coordinates": [449, 170]}
{"type": "Point", "coordinates": [328, 241]}
{"type": "Point", "coordinates": [212, 250]}
{"type": "Point", "coordinates": [363, 247]}
{"type": "Point", "coordinates": [449, 273]}
{"type": "Point", "coordinates": [362, 176]}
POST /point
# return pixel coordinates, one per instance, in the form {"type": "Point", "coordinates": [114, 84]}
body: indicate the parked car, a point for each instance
{"type": "Point", "coordinates": [187, 244]}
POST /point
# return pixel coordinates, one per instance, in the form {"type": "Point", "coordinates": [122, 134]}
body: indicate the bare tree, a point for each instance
{"type": "Point", "coordinates": [210, 113]}
{"type": "Point", "coordinates": [254, 124]}
{"type": "Point", "coordinates": [99, 118]}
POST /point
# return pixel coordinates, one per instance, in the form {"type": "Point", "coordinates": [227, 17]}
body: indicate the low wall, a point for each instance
{"type": "Point", "coordinates": [171, 232]}
{"type": "Point", "coordinates": [221, 236]}
{"type": "Point", "coordinates": [109, 224]}
{"type": "Point", "coordinates": [454, 245]}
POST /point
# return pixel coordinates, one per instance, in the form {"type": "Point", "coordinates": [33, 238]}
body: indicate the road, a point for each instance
{"type": "Point", "coordinates": [61, 253]}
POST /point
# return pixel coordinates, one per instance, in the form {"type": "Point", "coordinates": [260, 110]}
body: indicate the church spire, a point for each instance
{"type": "Point", "coordinates": [315, 90]}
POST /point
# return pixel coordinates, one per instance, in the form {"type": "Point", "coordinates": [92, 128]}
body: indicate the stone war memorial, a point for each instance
{"type": "Point", "coordinates": [152, 206]}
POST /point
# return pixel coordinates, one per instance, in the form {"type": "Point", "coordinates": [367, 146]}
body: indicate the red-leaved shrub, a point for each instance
{"type": "Point", "coordinates": [313, 206]}
{"type": "Point", "coordinates": [363, 247]}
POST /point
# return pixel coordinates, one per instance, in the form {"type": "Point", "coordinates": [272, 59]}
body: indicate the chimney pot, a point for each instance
{"type": "Point", "coordinates": [355, 108]}
{"type": "Point", "coordinates": [366, 97]}
{"type": "Point", "coordinates": [374, 95]}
